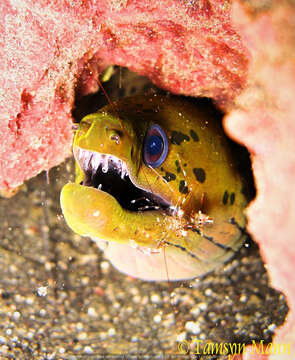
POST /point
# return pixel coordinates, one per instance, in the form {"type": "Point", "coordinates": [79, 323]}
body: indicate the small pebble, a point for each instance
{"type": "Point", "coordinates": [193, 327]}
{"type": "Point", "coordinates": [18, 298]}
{"type": "Point", "coordinates": [137, 299]}
{"type": "Point", "coordinates": [51, 356]}
{"type": "Point", "coordinates": [208, 292]}
{"type": "Point", "coordinates": [106, 317]}
{"type": "Point", "coordinates": [61, 350]}
{"type": "Point", "coordinates": [12, 268]}
{"type": "Point", "coordinates": [42, 312]}
{"type": "Point", "coordinates": [181, 336]}
{"type": "Point", "coordinates": [202, 306]}
{"type": "Point", "coordinates": [30, 335]}
{"type": "Point", "coordinates": [77, 348]}
{"type": "Point", "coordinates": [16, 315]}
{"type": "Point", "coordinates": [243, 298]}
{"type": "Point", "coordinates": [3, 349]}
{"type": "Point", "coordinates": [82, 336]}
{"type": "Point", "coordinates": [272, 327]}
{"type": "Point", "coordinates": [238, 317]}
{"type": "Point", "coordinates": [133, 291]}
{"type": "Point", "coordinates": [195, 311]}
{"type": "Point", "coordinates": [88, 350]}
{"type": "Point", "coordinates": [155, 299]}
{"type": "Point", "coordinates": [116, 305]}
{"type": "Point", "coordinates": [48, 266]}
{"type": "Point", "coordinates": [85, 280]}
{"type": "Point", "coordinates": [105, 266]}
{"type": "Point", "coordinates": [59, 217]}
{"type": "Point", "coordinates": [29, 301]}
{"type": "Point", "coordinates": [111, 332]}
{"type": "Point", "coordinates": [157, 319]}
{"type": "Point", "coordinates": [202, 336]}
{"type": "Point", "coordinates": [42, 291]}
{"type": "Point", "coordinates": [91, 312]}
{"type": "Point", "coordinates": [103, 336]}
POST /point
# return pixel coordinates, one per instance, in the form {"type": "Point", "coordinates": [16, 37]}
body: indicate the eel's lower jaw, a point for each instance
{"type": "Point", "coordinates": [108, 173]}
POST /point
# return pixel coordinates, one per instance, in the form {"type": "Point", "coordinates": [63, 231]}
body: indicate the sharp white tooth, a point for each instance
{"type": "Point", "coordinates": [124, 169]}
{"type": "Point", "coordinates": [83, 155]}
{"type": "Point", "coordinates": [96, 159]}
{"type": "Point", "coordinates": [122, 173]}
{"type": "Point", "coordinates": [105, 166]}
{"type": "Point", "coordinates": [89, 165]}
{"type": "Point", "coordinates": [84, 159]}
{"type": "Point", "coordinates": [99, 186]}
{"type": "Point", "coordinates": [79, 155]}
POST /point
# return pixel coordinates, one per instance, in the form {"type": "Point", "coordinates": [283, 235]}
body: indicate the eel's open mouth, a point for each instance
{"type": "Point", "coordinates": [110, 174]}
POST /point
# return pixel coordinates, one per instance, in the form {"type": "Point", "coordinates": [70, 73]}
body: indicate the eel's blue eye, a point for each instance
{"type": "Point", "coordinates": [155, 147]}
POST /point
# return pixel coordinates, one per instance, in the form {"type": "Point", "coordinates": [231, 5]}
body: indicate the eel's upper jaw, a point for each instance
{"type": "Point", "coordinates": [110, 174]}
{"type": "Point", "coordinates": [90, 161]}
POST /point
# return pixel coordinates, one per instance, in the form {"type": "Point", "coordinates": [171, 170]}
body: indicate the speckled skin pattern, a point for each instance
{"type": "Point", "coordinates": [199, 179]}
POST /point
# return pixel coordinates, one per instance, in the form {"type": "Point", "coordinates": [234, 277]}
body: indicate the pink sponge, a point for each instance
{"type": "Point", "coordinates": [48, 47]}
{"type": "Point", "coordinates": [264, 120]}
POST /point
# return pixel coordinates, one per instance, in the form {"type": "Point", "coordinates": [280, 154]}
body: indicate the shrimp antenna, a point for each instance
{"type": "Point", "coordinates": [107, 96]}
{"type": "Point", "coordinates": [112, 104]}
{"type": "Point", "coordinates": [161, 177]}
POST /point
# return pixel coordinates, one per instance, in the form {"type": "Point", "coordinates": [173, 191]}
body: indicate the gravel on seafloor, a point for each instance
{"type": "Point", "coordinates": [60, 299]}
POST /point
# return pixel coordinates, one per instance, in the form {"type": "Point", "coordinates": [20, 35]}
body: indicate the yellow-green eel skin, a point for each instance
{"type": "Point", "coordinates": [199, 180]}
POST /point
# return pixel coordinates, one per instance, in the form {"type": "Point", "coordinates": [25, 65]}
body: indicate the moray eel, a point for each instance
{"type": "Point", "coordinates": [157, 187]}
